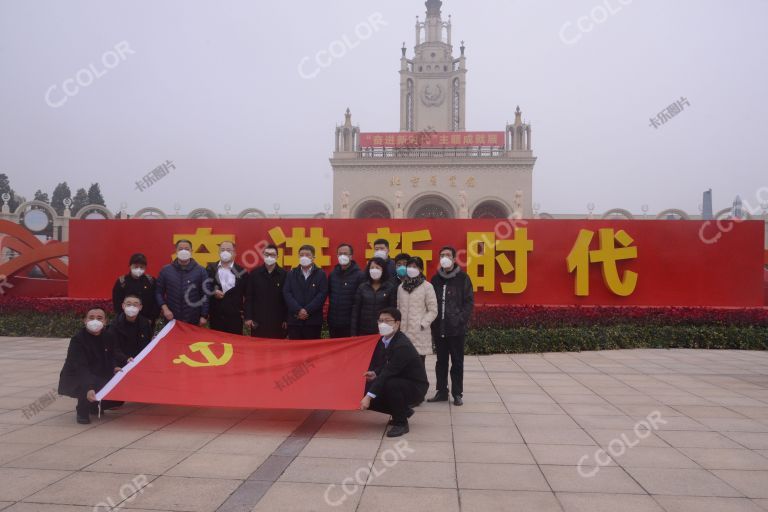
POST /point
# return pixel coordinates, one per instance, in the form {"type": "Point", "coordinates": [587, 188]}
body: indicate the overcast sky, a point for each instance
{"type": "Point", "coordinates": [215, 87]}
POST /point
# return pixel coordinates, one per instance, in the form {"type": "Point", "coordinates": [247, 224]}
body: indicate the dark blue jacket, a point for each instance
{"type": "Point", "coordinates": [309, 294]}
{"type": "Point", "coordinates": [342, 286]}
{"type": "Point", "coordinates": [182, 290]}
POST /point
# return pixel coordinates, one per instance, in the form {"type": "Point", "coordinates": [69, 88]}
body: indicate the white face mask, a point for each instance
{"type": "Point", "coordinates": [375, 273]}
{"type": "Point", "coordinates": [94, 326]}
{"type": "Point", "coordinates": [446, 262]}
{"type": "Point", "coordinates": [225, 256]}
{"type": "Point", "coordinates": [381, 254]}
{"type": "Point", "coordinates": [270, 260]}
{"type": "Point", "coordinates": [305, 261]}
{"type": "Point", "coordinates": [131, 311]}
{"type": "Point", "coordinates": [413, 272]}
{"type": "Point", "coordinates": [137, 272]}
{"type": "Point", "coordinates": [386, 330]}
{"type": "Point", "coordinates": [184, 255]}
{"type": "Point", "coordinates": [344, 260]}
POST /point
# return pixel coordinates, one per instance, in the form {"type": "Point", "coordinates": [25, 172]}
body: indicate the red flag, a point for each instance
{"type": "Point", "coordinates": [188, 365]}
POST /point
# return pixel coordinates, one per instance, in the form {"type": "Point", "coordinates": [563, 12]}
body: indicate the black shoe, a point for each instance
{"type": "Point", "coordinates": [398, 430]}
{"type": "Point", "coordinates": [440, 396]}
{"type": "Point", "coordinates": [83, 420]}
{"type": "Point", "coordinates": [407, 415]}
{"type": "Point", "coordinates": [457, 400]}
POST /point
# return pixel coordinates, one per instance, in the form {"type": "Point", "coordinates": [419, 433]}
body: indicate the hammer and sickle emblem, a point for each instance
{"type": "Point", "coordinates": [210, 358]}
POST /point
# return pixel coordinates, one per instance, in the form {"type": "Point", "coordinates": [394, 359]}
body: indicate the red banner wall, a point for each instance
{"type": "Point", "coordinates": [646, 262]}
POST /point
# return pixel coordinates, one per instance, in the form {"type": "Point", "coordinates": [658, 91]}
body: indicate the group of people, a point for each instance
{"type": "Point", "coordinates": [391, 297]}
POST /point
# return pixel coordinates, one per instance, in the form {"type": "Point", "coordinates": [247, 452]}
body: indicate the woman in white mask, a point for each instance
{"type": "Point", "coordinates": [417, 302]}
{"type": "Point", "coordinates": [377, 292]}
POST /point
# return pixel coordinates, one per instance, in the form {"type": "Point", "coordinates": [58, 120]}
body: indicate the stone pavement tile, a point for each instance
{"type": "Point", "coordinates": [480, 420]}
{"type": "Point", "coordinates": [575, 436]}
{"type": "Point", "coordinates": [727, 458]}
{"type": "Point", "coordinates": [682, 482]}
{"type": "Point", "coordinates": [182, 441]}
{"type": "Point", "coordinates": [624, 423]}
{"type": "Point", "coordinates": [415, 450]}
{"type": "Point", "coordinates": [341, 448]}
{"type": "Point", "coordinates": [11, 451]}
{"type": "Point", "coordinates": [242, 444]}
{"type": "Point", "coordinates": [703, 411]}
{"type": "Point", "coordinates": [484, 407]}
{"type": "Point", "coordinates": [309, 497]}
{"type": "Point", "coordinates": [697, 504]}
{"type": "Point", "coordinates": [751, 440]}
{"type": "Point", "coordinates": [264, 427]}
{"type": "Point", "coordinates": [201, 424]}
{"type": "Point", "coordinates": [406, 473]}
{"type": "Point", "coordinates": [325, 470]}
{"type": "Point", "coordinates": [506, 501]}
{"type": "Point", "coordinates": [754, 411]}
{"type": "Point", "coordinates": [217, 465]}
{"type": "Point", "coordinates": [101, 437]}
{"type": "Point", "coordinates": [753, 484]}
{"type": "Point", "coordinates": [189, 494]}
{"type": "Point", "coordinates": [40, 434]}
{"type": "Point", "coordinates": [379, 499]}
{"type": "Point", "coordinates": [500, 453]}
{"type": "Point", "coordinates": [527, 422]}
{"type": "Point", "coordinates": [4, 429]}
{"type": "Point", "coordinates": [138, 421]}
{"type": "Point", "coordinates": [594, 502]}
{"type": "Point", "coordinates": [724, 425]}
{"type": "Point", "coordinates": [136, 461]}
{"type": "Point", "coordinates": [592, 410]}
{"type": "Point", "coordinates": [761, 503]}
{"type": "Point", "coordinates": [62, 457]}
{"type": "Point", "coordinates": [604, 437]}
{"type": "Point", "coordinates": [695, 439]}
{"type": "Point", "coordinates": [349, 430]}
{"type": "Point", "coordinates": [650, 457]}
{"type": "Point", "coordinates": [438, 433]}
{"type": "Point", "coordinates": [602, 480]}
{"type": "Point", "coordinates": [534, 408]}
{"type": "Point", "coordinates": [221, 412]}
{"type": "Point", "coordinates": [84, 488]}
{"type": "Point", "coordinates": [504, 477]}
{"type": "Point", "coordinates": [43, 507]}
{"type": "Point", "coordinates": [568, 455]}
{"type": "Point", "coordinates": [16, 484]}
{"type": "Point", "coordinates": [463, 434]}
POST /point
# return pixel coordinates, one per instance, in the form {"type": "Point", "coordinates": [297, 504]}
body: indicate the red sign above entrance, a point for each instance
{"type": "Point", "coordinates": [431, 139]}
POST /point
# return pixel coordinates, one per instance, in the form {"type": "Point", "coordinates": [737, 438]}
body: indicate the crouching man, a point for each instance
{"type": "Point", "coordinates": [90, 364]}
{"type": "Point", "coordinates": [397, 378]}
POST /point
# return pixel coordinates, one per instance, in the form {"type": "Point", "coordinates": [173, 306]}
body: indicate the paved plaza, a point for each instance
{"type": "Point", "coordinates": [629, 430]}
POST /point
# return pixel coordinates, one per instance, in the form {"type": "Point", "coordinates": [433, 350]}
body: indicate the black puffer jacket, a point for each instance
{"type": "Point", "coordinates": [368, 305]}
{"type": "Point", "coordinates": [455, 302]}
{"type": "Point", "coordinates": [342, 287]}
{"type": "Point", "coordinates": [181, 288]}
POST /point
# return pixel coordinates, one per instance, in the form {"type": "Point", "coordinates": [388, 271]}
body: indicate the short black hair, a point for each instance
{"type": "Point", "coordinates": [309, 248]}
{"type": "Point", "coordinates": [380, 262]}
{"type": "Point", "coordinates": [351, 249]}
{"type": "Point", "coordinates": [393, 312]}
{"type": "Point", "coordinates": [402, 256]}
{"type": "Point", "coordinates": [416, 261]}
{"type": "Point", "coordinates": [137, 259]}
{"type": "Point", "coordinates": [182, 241]}
{"type": "Point", "coordinates": [133, 296]}
{"type": "Point", "coordinates": [448, 248]}
{"type": "Point", "coordinates": [271, 246]}
{"type": "Point", "coordinates": [95, 308]}
{"type": "Point", "coordinates": [381, 241]}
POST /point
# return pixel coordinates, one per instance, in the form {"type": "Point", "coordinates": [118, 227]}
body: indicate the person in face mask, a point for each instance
{"type": "Point", "coordinates": [228, 298]}
{"type": "Point", "coordinates": [455, 302]}
{"type": "Point", "coordinates": [132, 332]}
{"type": "Point", "coordinates": [265, 310]}
{"type": "Point", "coordinates": [90, 364]}
{"type": "Point", "coordinates": [374, 294]}
{"type": "Point", "coordinates": [305, 291]}
{"type": "Point", "coordinates": [343, 282]}
{"type": "Point", "coordinates": [137, 282]}
{"type": "Point", "coordinates": [381, 250]}
{"type": "Point", "coordinates": [401, 268]}
{"type": "Point", "coordinates": [417, 302]}
{"type": "Point", "coordinates": [181, 288]}
{"type": "Point", "coordinates": [396, 376]}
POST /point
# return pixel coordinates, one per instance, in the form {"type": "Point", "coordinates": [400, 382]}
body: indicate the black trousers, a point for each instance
{"type": "Point", "coordinates": [84, 407]}
{"type": "Point", "coordinates": [228, 325]}
{"type": "Point", "coordinates": [340, 331]}
{"type": "Point", "coordinates": [450, 347]}
{"type": "Point", "coordinates": [304, 332]}
{"type": "Point", "coordinates": [275, 332]}
{"type": "Point", "coordinates": [396, 396]}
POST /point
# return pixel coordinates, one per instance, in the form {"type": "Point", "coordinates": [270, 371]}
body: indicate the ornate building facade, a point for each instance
{"type": "Point", "coordinates": [433, 167]}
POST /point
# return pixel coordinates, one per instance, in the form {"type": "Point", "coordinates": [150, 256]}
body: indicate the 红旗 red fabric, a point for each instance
{"type": "Point", "coordinates": [188, 365]}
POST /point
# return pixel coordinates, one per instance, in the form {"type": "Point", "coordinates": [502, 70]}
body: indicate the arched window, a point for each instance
{"type": "Point", "coordinates": [490, 210]}
{"type": "Point", "coordinates": [372, 210]}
